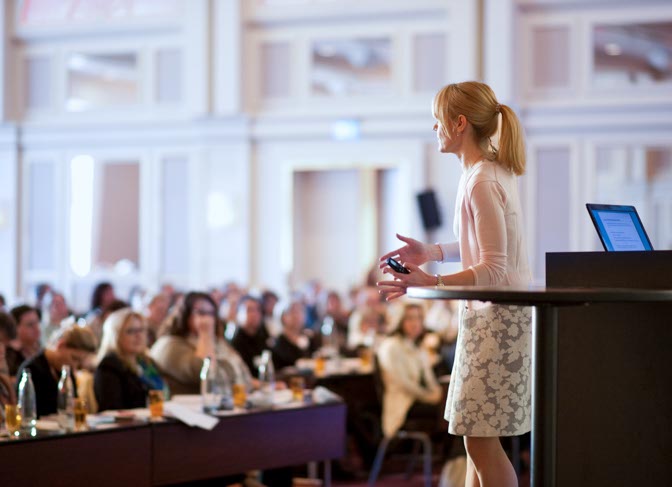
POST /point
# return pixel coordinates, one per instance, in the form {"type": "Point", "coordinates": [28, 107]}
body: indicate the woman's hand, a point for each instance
{"type": "Point", "coordinates": [414, 252]}
{"type": "Point", "coordinates": [397, 288]}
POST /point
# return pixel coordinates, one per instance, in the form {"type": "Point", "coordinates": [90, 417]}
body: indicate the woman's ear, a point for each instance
{"type": "Point", "coordinates": [461, 122]}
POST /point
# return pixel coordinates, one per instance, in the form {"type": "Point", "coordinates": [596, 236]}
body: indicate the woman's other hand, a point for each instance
{"type": "Point", "coordinates": [397, 288]}
{"type": "Point", "coordinates": [414, 252]}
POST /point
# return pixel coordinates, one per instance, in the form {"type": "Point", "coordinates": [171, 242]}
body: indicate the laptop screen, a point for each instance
{"type": "Point", "coordinates": [619, 227]}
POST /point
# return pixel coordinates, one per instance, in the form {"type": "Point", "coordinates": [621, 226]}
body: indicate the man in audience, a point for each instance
{"type": "Point", "coordinates": [3, 303]}
{"type": "Point", "coordinates": [250, 337]}
{"type": "Point", "coordinates": [73, 347]}
{"type": "Point", "coordinates": [51, 321]}
{"type": "Point", "coordinates": [27, 342]}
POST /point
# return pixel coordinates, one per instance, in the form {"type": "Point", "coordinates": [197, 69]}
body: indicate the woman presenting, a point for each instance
{"type": "Point", "coordinates": [490, 389]}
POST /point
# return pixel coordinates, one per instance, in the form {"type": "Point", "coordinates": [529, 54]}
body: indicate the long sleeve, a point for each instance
{"type": "Point", "coordinates": [397, 370]}
{"type": "Point", "coordinates": [109, 389]}
{"type": "Point", "coordinates": [176, 358]}
{"type": "Point", "coordinates": [488, 202]}
{"type": "Point", "coordinates": [451, 252]}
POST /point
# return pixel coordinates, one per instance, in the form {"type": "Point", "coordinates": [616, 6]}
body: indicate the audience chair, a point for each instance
{"type": "Point", "coordinates": [417, 431]}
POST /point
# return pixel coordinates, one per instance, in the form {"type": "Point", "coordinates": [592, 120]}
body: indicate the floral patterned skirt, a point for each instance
{"type": "Point", "coordinates": [490, 392]}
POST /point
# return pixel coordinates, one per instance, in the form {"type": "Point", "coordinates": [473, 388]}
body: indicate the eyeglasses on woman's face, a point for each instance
{"type": "Point", "coordinates": [204, 312]}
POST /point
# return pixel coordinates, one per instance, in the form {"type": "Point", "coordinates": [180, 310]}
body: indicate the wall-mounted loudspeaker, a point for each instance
{"type": "Point", "coordinates": [429, 210]}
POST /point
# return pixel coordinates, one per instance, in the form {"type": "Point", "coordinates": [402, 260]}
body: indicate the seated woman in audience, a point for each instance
{"type": "Point", "coordinates": [269, 300]}
{"type": "Point", "coordinates": [72, 347]}
{"type": "Point", "coordinates": [368, 301]}
{"type": "Point", "coordinates": [250, 338]}
{"type": "Point", "coordinates": [57, 311]}
{"type": "Point", "coordinates": [102, 297]}
{"type": "Point", "coordinates": [190, 338]}
{"type": "Point", "coordinates": [293, 343]}
{"type": "Point", "coordinates": [155, 314]}
{"type": "Point", "coordinates": [27, 342]}
{"type": "Point", "coordinates": [7, 333]}
{"type": "Point", "coordinates": [411, 388]}
{"type": "Point", "coordinates": [125, 373]}
{"type": "Point", "coordinates": [330, 309]}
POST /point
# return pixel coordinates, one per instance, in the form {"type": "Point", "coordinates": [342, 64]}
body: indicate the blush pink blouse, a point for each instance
{"type": "Point", "coordinates": [488, 227]}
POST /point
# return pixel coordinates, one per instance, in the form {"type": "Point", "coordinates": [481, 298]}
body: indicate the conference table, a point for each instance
{"type": "Point", "coordinates": [545, 302]}
{"type": "Point", "coordinates": [144, 453]}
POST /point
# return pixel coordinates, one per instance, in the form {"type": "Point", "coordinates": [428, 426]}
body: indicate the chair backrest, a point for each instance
{"type": "Point", "coordinates": [378, 382]}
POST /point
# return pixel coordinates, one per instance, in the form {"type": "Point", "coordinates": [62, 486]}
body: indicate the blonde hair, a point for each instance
{"type": "Point", "coordinates": [75, 337]}
{"type": "Point", "coordinates": [477, 102]}
{"type": "Point", "coordinates": [112, 328]}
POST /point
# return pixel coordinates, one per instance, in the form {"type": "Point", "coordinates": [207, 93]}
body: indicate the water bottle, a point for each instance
{"type": "Point", "coordinates": [27, 407]}
{"type": "Point", "coordinates": [267, 378]}
{"type": "Point", "coordinates": [65, 403]}
{"type": "Point", "coordinates": [215, 387]}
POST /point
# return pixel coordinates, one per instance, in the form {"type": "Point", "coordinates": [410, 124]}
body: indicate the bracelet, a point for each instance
{"type": "Point", "coordinates": [439, 280]}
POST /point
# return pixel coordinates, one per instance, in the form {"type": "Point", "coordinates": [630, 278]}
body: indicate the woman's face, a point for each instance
{"type": "Point", "coordinates": [447, 136]}
{"type": "Point", "coordinates": [294, 319]}
{"type": "Point", "coordinates": [412, 326]}
{"type": "Point", "coordinates": [202, 317]}
{"type": "Point", "coordinates": [133, 337]}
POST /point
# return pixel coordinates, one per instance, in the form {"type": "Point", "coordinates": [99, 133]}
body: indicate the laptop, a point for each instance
{"type": "Point", "coordinates": [619, 227]}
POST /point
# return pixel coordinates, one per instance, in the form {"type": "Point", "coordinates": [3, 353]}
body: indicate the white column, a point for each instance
{"type": "Point", "coordinates": [498, 48]}
{"type": "Point", "coordinates": [9, 213]}
{"type": "Point", "coordinates": [227, 50]}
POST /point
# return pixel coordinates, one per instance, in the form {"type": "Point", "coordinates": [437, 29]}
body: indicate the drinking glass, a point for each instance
{"type": "Point", "coordinates": [81, 411]}
{"type": "Point", "coordinates": [13, 420]}
{"type": "Point", "coordinates": [239, 395]}
{"type": "Point", "coordinates": [366, 356]}
{"type": "Point", "coordinates": [155, 404]}
{"type": "Point", "coordinates": [297, 384]}
{"type": "Point", "coordinates": [320, 364]}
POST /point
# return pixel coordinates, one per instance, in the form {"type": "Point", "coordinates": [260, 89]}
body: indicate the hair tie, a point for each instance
{"type": "Point", "coordinates": [498, 108]}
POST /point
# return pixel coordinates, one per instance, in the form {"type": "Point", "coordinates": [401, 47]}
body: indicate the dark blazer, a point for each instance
{"type": "Point", "coordinates": [46, 385]}
{"type": "Point", "coordinates": [249, 347]}
{"type": "Point", "coordinates": [285, 353]}
{"type": "Point", "coordinates": [118, 387]}
{"type": "Point", "coordinates": [14, 360]}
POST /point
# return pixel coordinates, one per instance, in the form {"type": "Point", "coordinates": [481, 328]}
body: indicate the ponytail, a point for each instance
{"type": "Point", "coordinates": [478, 103]}
{"type": "Point", "coordinates": [511, 152]}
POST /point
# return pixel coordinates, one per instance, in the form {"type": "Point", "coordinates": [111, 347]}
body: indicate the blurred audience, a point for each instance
{"type": "Point", "coordinates": [368, 301]}
{"type": "Point", "coordinates": [190, 338]}
{"type": "Point", "coordinates": [7, 334]}
{"type": "Point", "coordinates": [155, 315]}
{"type": "Point", "coordinates": [250, 338]}
{"type": "Point", "coordinates": [73, 346]}
{"type": "Point", "coordinates": [56, 312]}
{"type": "Point", "coordinates": [269, 300]}
{"type": "Point", "coordinates": [293, 343]}
{"type": "Point", "coordinates": [125, 373]}
{"type": "Point", "coordinates": [101, 299]}
{"type": "Point", "coordinates": [333, 319]}
{"type": "Point", "coordinates": [27, 342]}
{"type": "Point", "coordinates": [411, 388]}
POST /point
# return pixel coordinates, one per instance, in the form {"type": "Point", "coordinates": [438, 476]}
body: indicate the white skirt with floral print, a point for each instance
{"type": "Point", "coordinates": [490, 388]}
